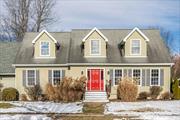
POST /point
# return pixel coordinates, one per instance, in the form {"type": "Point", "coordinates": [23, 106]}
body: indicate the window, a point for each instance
{"type": "Point", "coordinates": [31, 77]}
{"type": "Point", "coordinates": [155, 77]}
{"type": "Point", "coordinates": [137, 76]}
{"type": "Point", "coordinates": [135, 50]}
{"type": "Point", "coordinates": [44, 48]}
{"type": "Point", "coordinates": [57, 76]}
{"type": "Point", "coordinates": [117, 76]}
{"type": "Point", "coordinates": [95, 47]}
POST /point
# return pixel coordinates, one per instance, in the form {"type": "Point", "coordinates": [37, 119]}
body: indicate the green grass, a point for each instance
{"type": "Point", "coordinates": [93, 108]}
{"type": "Point", "coordinates": [6, 105]}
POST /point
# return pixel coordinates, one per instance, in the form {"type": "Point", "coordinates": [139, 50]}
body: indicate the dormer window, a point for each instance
{"type": "Point", "coordinates": [45, 49]}
{"type": "Point", "coordinates": [95, 47]}
{"type": "Point", "coordinates": [135, 47]}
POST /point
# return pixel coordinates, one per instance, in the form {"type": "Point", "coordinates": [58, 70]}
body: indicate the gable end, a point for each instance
{"type": "Point", "coordinates": [41, 33]}
{"type": "Point", "coordinates": [139, 31]}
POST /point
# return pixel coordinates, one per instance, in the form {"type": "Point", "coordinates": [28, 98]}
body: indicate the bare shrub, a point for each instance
{"type": "Point", "coordinates": [127, 90]}
{"type": "Point", "coordinates": [23, 97]}
{"type": "Point", "coordinates": [155, 91]}
{"type": "Point", "coordinates": [143, 95]}
{"type": "Point", "coordinates": [166, 96]}
{"type": "Point", "coordinates": [50, 92]}
{"type": "Point", "coordinates": [34, 92]}
{"type": "Point", "coordinates": [68, 90]}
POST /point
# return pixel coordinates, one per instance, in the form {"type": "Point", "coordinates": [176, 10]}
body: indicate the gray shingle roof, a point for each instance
{"type": "Point", "coordinates": [8, 52]}
{"type": "Point", "coordinates": [70, 50]}
{"type": "Point", "coordinates": [25, 54]}
{"type": "Point", "coordinates": [157, 51]}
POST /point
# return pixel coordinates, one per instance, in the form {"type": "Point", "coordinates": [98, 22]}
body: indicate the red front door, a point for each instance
{"type": "Point", "coordinates": [95, 80]}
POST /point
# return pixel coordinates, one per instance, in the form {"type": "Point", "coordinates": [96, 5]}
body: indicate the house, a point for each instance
{"type": "Point", "coordinates": [104, 56]}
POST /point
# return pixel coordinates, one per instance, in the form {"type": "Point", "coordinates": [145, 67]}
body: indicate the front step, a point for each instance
{"type": "Point", "coordinates": [96, 97]}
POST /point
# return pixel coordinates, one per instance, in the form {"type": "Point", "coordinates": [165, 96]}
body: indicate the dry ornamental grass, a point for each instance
{"type": "Point", "coordinates": [127, 90]}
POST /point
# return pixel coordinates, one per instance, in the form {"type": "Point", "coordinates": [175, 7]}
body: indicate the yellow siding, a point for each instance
{"type": "Point", "coordinates": [44, 38]}
{"type": "Point", "coordinates": [136, 35]}
{"type": "Point", "coordinates": [95, 36]}
{"type": "Point", "coordinates": [43, 74]}
{"type": "Point", "coordinates": [76, 72]}
{"type": "Point", "coordinates": [7, 81]}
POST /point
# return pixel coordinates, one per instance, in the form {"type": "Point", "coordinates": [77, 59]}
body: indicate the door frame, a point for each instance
{"type": "Point", "coordinates": [103, 76]}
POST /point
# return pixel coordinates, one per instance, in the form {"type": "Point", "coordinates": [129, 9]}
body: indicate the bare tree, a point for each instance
{"type": "Point", "coordinates": [42, 16]}
{"type": "Point", "coordinates": [26, 15]}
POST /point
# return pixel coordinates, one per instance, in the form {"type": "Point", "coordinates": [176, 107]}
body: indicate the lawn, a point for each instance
{"type": "Point", "coordinates": [148, 110]}
{"type": "Point", "coordinates": [6, 105]}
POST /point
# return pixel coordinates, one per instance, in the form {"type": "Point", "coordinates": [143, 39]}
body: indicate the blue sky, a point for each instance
{"type": "Point", "coordinates": [73, 14]}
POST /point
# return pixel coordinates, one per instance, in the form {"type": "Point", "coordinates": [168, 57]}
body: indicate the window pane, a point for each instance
{"type": "Point", "coordinates": [94, 46]}
{"type": "Point", "coordinates": [137, 76]}
{"type": "Point", "coordinates": [56, 77]}
{"type": "Point", "coordinates": [118, 76]}
{"type": "Point", "coordinates": [135, 47]}
{"type": "Point", "coordinates": [31, 77]}
{"type": "Point", "coordinates": [44, 48]}
{"type": "Point", "coordinates": [155, 77]}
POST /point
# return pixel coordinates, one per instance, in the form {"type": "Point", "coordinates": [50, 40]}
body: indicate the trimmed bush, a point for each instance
{"type": "Point", "coordinates": [23, 97]}
{"type": "Point", "coordinates": [166, 96]}
{"type": "Point", "coordinates": [10, 94]}
{"type": "Point", "coordinates": [155, 91]}
{"type": "Point", "coordinates": [176, 89]}
{"type": "Point", "coordinates": [1, 86]}
{"type": "Point", "coordinates": [127, 90]}
{"type": "Point", "coordinates": [34, 92]}
{"type": "Point", "coordinates": [143, 95]}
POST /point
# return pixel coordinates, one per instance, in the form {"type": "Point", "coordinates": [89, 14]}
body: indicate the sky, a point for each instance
{"type": "Point", "coordinates": [118, 14]}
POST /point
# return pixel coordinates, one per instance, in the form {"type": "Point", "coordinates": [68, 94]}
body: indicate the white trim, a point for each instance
{"type": "Point", "coordinates": [136, 56]}
{"type": "Point", "coordinates": [136, 29]}
{"type": "Point", "coordinates": [140, 75]}
{"type": "Point", "coordinates": [113, 64]}
{"type": "Point", "coordinates": [94, 29]}
{"type": "Point", "coordinates": [43, 56]}
{"type": "Point", "coordinates": [43, 65]}
{"type": "Point", "coordinates": [44, 31]}
{"type": "Point", "coordinates": [1, 74]}
{"type": "Point", "coordinates": [139, 54]}
{"type": "Point", "coordinates": [27, 77]}
{"type": "Point", "coordinates": [158, 76]}
{"type": "Point", "coordinates": [104, 89]}
{"type": "Point", "coordinates": [92, 54]}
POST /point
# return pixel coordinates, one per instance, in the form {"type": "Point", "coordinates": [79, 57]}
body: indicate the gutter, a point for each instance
{"type": "Point", "coordinates": [40, 65]}
{"type": "Point", "coordinates": [93, 64]}
{"type": "Point", "coordinates": [7, 73]}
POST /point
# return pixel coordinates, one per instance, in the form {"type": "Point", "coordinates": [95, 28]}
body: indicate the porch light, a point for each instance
{"type": "Point", "coordinates": [82, 72]}
{"type": "Point", "coordinates": [108, 72]}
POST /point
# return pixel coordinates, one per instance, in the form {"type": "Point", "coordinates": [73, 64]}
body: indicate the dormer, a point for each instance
{"type": "Point", "coordinates": [95, 44]}
{"type": "Point", "coordinates": [44, 45]}
{"type": "Point", "coordinates": [135, 44]}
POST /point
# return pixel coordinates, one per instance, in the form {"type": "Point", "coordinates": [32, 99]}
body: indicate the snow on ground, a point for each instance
{"type": "Point", "coordinates": [148, 110]}
{"type": "Point", "coordinates": [43, 107]}
{"type": "Point", "coordinates": [24, 117]}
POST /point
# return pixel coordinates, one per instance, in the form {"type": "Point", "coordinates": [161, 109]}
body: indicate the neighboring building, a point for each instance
{"type": "Point", "coordinates": [104, 56]}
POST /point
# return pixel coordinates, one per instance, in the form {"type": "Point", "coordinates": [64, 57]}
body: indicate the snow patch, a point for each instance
{"type": "Point", "coordinates": [43, 107]}
{"type": "Point", "coordinates": [153, 110]}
